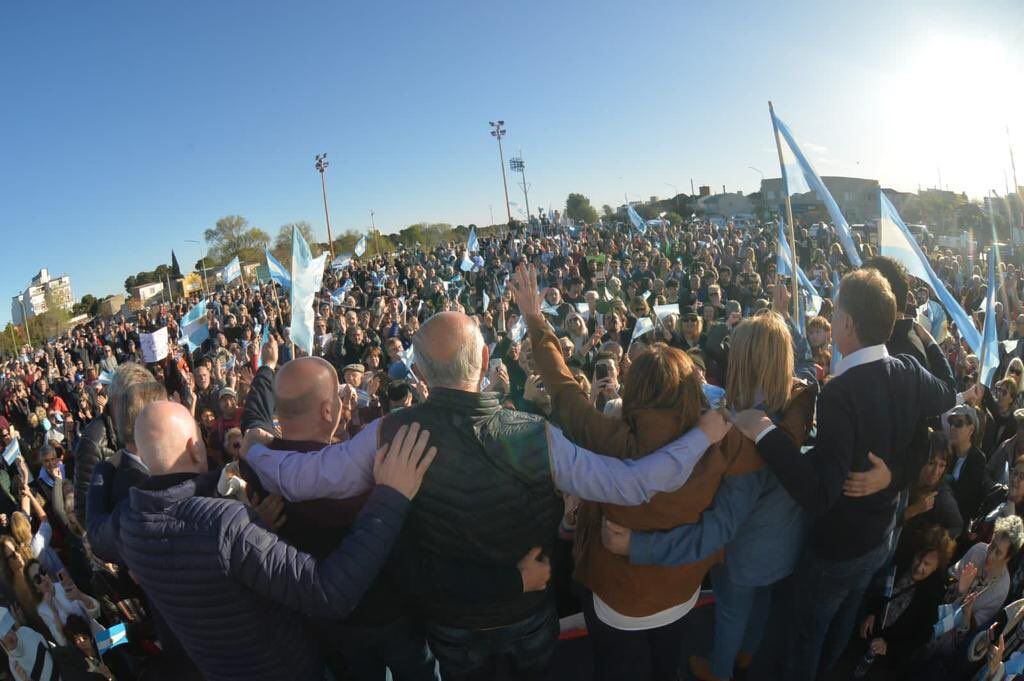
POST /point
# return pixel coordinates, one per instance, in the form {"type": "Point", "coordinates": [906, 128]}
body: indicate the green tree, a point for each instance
{"type": "Point", "coordinates": [282, 249]}
{"type": "Point", "coordinates": [150, 277]}
{"type": "Point", "coordinates": [232, 236]}
{"type": "Point", "coordinates": [577, 207]}
{"type": "Point", "coordinates": [89, 305]}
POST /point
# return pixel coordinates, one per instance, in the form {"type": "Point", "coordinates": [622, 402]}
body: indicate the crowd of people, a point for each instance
{"type": "Point", "coordinates": [481, 444]}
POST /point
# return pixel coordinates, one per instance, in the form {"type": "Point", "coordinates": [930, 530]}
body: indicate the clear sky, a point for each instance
{"type": "Point", "coordinates": [128, 127]}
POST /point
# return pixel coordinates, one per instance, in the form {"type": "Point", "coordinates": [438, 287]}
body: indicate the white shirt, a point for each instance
{"type": "Point", "coordinates": [622, 622]}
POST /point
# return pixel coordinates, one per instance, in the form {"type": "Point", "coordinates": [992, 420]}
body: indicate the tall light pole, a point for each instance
{"type": "Point", "coordinates": [206, 285]}
{"type": "Point", "coordinates": [321, 166]}
{"type": "Point", "coordinates": [24, 318]}
{"type": "Point", "coordinates": [517, 165]}
{"type": "Point", "coordinates": [764, 199]}
{"type": "Point", "coordinates": [497, 132]}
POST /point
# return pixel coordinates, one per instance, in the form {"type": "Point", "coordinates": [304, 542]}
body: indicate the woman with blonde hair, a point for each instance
{"type": "Point", "coordinates": [15, 560]}
{"type": "Point", "coordinates": [634, 614]}
{"type": "Point", "coordinates": [752, 517]}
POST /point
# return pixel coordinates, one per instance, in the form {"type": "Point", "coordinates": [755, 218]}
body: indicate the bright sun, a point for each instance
{"type": "Point", "coordinates": [947, 113]}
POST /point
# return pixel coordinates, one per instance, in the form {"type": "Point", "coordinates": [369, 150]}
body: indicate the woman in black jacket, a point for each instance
{"type": "Point", "coordinates": [898, 626]}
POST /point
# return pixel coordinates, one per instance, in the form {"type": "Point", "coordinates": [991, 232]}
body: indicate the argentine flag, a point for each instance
{"type": "Point", "coordinates": [264, 339]}
{"type": "Point", "coordinates": [231, 271]}
{"type": "Point", "coordinates": [472, 243]}
{"type": "Point", "coordinates": [798, 177]}
{"type": "Point", "coordinates": [341, 262]}
{"type": "Point", "coordinates": [111, 638]}
{"type": "Point", "coordinates": [466, 265]}
{"type": "Point", "coordinates": [194, 327]}
{"type": "Point", "coordinates": [307, 274]}
{"type": "Point", "coordinates": [784, 267]}
{"type": "Point", "coordinates": [12, 451]}
{"type": "Point", "coordinates": [634, 217]}
{"type": "Point", "coordinates": [896, 241]}
{"type": "Point", "coordinates": [360, 247]}
{"type": "Point", "coordinates": [277, 271]}
{"type": "Point", "coordinates": [988, 358]}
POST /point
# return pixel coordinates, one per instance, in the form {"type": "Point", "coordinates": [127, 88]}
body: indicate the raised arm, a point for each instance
{"type": "Point", "coordinates": [631, 482]}
{"type": "Point", "coordinates": [337, 471]}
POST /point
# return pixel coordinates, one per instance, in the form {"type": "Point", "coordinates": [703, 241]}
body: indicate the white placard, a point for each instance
{"type": "Point", "coordinates": [153, 345]}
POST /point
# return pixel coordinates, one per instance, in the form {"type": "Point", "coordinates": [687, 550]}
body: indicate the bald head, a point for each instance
{"type": "Point", "coordinates": [450, 352]}
{"type": "Point", "coordinates": [168, 439]}
{"type": "Point", "coordinates": [306, 393]}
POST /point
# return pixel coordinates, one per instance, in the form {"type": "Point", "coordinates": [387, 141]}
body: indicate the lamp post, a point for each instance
{"type": "Point", "coordinates": [206, 285]}
{"type": "Point", "coordinates": [24, 318]}
{"type": "Point", "coordinates": [517, 165]}
{"type": "Point", "coordinates": [497, 132]}
{"type": "Point", "coordinates": [764, 201]}
{"type": "Point", "coordinates": [321, 165]}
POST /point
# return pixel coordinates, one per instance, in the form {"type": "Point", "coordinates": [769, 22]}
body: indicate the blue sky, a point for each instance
{"type": "Point", "coordinates": [129, 127]}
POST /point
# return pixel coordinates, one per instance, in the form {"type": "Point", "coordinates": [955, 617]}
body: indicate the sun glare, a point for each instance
{"type": "Point", "coordinates": [946, 114]}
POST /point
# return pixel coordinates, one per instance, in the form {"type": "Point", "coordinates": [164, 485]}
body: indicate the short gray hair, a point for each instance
{"type": "Point", "coordinates": [125, 376]}
{"type": "Point", "coordinates": [1010, 528]}
{"type": "Point", "coordinates": [129, 408]}
{"type": "Point", "coordinates": [463, 367]}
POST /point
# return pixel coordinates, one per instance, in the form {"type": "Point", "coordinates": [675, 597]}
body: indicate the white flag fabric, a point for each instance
{"type": "Point", "coordinates": [153, 345]}
{"type": "Point", "coordinates": [472, 243]}
{"type": "Point", "coordinates": [307, 275]}
{"type": "Point", "coordinates": [643, 326]}
{"type": "Point", "coordinates": [989, 356]}
{"type": "Point", "coordinates": [360, 247]}
{"type": "Point", "coordinates": [231, 271]}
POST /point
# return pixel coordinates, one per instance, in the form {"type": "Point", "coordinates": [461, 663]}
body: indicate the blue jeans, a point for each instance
{"type": "Point", "coordinates": [827, 599]}
{"type": "Point", "coordinates": [526, 647]}
{"type": "Point", "coordinates": [741, 613]}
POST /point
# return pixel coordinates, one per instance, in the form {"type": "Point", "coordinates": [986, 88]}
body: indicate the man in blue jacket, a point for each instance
{"type": "Point", "coordinates": [231, 590]}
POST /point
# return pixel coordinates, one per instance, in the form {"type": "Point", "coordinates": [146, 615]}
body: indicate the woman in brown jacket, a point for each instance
{"type": "Point", "coordinates": [634, 613]}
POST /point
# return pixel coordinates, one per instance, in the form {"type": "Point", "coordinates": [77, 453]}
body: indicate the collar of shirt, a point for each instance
{"type": "Point", "coordinates": [135, 458]}
{"type": "Point", "coordinates": [871, 353]}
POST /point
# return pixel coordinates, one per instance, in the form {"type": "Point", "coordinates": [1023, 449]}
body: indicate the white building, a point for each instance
{"type": "Point", "coordinates": [32, 301]}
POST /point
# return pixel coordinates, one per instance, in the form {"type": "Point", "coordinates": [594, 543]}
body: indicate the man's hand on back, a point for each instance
{"type": "Point", "coordinates": [535, 570]}
{"type": "Point", "coordinates": [403, 464]}
{"type": "Point", "coordinates": [254, 436]}
{"type": "Point", "coordinates": [713, 425]}
{"type": "Point", "coordinates": [868, 482]}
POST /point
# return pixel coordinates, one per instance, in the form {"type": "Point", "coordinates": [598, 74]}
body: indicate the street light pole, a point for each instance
{"type": "Point", "coordinates": [518, 165]}
{"type": "Point", "coordinates": [321, 166]}
{"type": "Point", "coordinates": [24, 319]}
{"type": "Point", "coordinates": [206, 284]}
{"type": "Point", "coordinates": [498, 131]}
{"type": "Point", "coordinates": [764, 200]}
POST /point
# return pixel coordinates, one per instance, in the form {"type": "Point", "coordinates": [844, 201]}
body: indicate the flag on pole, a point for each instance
{"type": "Point", "coordinates": [277, 271]}
{"type": "Point", "coordinates": [472, 243]}
{"type": "Point", "coordinates": [896, 241]}
{"type": "Point", "coordinates": [231, 271]}
{"type": "Point", "coordinates": [341, 262]}
{"type": "Point", "coordinates": [175, 269]}
{"type": "Point", "coordinates": [264, 339]}
{"type": "Point", "coordinates": [518, 330]}
{"type": "Point", "coordinates": [988, 358]}
{"type": "Point", "coordinates": [360, 247]}
{"type": "Point", "coordinates": [194, 327]}
{"type": "Point", "coordinates": [307, 274]}
{"type": "Point", "coordinates": [634, 217]}
{"type": "Point", "coordinates": [798, 177]}
{"type": "Point", "coordinates": [111, 638]}
{"type": "Point", "coordinates": [784, 267]}
{"type": "Point", "coordinates": [466, 265]}
{"type": "Point", "coordinates": [105, 377]}
{"type": "Point", "coordinates": [643, 326]}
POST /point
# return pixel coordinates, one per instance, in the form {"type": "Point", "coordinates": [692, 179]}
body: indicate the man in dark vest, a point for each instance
{"type": "Point", "coordinates": [489, 498]}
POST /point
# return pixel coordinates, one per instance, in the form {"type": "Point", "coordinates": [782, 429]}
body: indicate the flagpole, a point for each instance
{"type": "Point", "coordinates": [789, 217]}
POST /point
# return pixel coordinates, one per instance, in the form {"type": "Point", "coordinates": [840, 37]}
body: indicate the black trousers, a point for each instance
{"type": "Point", "coordinates": [651, 654]}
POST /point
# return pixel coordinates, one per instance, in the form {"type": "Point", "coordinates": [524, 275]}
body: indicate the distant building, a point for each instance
{"type": "Point", "coordinates": [704, 190]}
{"type": "Point", "coordinates": [32, 301]}
{"type": "Point", "coordinates": [111, 305]}
{"type": "Point", "coordinates": [857, 199]}
{"type": "Point", "coordinates": [726, 204]}
{"type": "Point", "coordinates": [145, 292]}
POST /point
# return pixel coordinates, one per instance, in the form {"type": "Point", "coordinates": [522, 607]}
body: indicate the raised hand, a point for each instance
{"type": "Point", "coordinates": [524, 289]}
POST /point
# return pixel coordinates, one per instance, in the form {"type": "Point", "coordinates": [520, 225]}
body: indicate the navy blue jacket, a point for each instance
{"type": "Point", "coordinates": [232, 591]}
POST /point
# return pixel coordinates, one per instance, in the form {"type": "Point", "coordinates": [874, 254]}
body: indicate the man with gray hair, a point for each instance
{"type": "Point", "coordinates": [490, 497]}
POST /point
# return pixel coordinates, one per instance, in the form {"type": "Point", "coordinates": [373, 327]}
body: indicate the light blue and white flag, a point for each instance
{"type": "Point", "coordinates": [466, 265]}
{"type": "Point", "coordinates": [194, 327]}
{"type": "Point", "coordinates": [644, 325]}
{"type": "Point", "coordinates": [360, 247]}
{"type": "Point", "coordinates": [836, 355]}
{"type": "Point", "coordinates": [799, 177]}
{"type": "Point", "coordinates": [111, 638]}
{"type": "Point", "coordinates": [277, 271]}
{"type": "Point", "coordinates": [896, 241]}
{"type": "Point", "coordinates": [988, 358]}
{"type": "Point", "coordinates": [341, 262]}
{"type": "Point", "coordinates": [472, 243]}
{"type": "Point", "coordinates": [638, 222]}
{"type": "Point", "coordinates": [663, 311]}
{"type": "Point", "coordinates": [264, 339]}
{"type": "Point", "coordinates": [105, 377]}
{"type": "Point", "coordinates": [231, 271]}
{"type": "Point", "coordinates": [12, 451]}
{"type": "Point", "coordinates": [307, 274]}
{"type": "Point", "coordinates": [518, 330]}
{"type": "Point", "coordinates": [784, 267]}
{"type": "Point", "coordinates": [485, 300]}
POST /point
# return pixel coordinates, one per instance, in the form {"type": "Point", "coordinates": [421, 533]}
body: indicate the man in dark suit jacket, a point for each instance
{"type": "Point", "coordinates": [872, 405]}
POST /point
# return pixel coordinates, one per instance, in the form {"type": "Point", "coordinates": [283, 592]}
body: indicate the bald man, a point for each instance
{"type": "Point", "coordinates": [230, 589]}
{"type": "Point", "coordinates": [490, 498]}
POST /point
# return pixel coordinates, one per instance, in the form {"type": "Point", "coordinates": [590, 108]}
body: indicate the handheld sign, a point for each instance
{"type": "Point", "coordinates": [153, 345]}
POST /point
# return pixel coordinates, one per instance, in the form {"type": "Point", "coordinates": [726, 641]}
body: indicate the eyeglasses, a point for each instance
{"type": "Point", "coordinates": [956, 422]}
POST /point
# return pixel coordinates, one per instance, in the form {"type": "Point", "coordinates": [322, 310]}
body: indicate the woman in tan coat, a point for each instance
{"type": "Point", "coordinates": [634, 612]}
